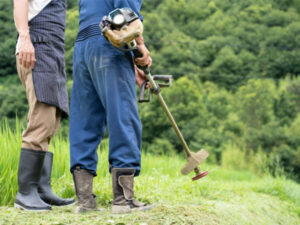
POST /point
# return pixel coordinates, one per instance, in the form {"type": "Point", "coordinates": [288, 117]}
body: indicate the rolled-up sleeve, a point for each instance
{"type": "Point", "coordinates": [135, 5]}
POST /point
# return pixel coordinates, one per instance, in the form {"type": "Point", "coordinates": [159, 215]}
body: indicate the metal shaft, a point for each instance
{"type": "Point", "coordinates": [167, 111]}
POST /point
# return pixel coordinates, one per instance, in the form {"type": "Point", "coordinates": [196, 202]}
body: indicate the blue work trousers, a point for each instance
{"type": "Point", "coordinates": [103, 94]}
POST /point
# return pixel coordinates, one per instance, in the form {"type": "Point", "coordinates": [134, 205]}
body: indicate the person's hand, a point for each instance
{"type": "Point", "coordinates": [141, 77]}
{"type": "Point", "coordinates": [145, 60]}
{"type": "Point", "coordinates": [26, 51]}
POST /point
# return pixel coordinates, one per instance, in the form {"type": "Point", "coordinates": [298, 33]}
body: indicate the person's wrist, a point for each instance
{"type": "Point", "coordinates": [24, 34]}
{"type": "Point", "coordinates": [139, 40]}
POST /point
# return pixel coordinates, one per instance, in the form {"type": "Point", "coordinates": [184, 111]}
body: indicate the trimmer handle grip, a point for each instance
{"type": "Point", "coordinates": [138, 54]}
{"type": "Point", "coordinates": [167, 80]}
{"type": "Point", "coordinates": [143, 92]}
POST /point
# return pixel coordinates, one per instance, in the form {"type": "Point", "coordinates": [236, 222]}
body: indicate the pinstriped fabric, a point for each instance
{"type": "Point", "coordinates": [47, 35]}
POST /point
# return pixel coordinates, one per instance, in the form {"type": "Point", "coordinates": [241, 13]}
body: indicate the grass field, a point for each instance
{"type": "Point", "coordinates": [223, 197]}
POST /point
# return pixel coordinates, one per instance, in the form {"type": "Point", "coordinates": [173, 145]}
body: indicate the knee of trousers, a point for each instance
{"type": "Point", "coordinates": [40, 130]}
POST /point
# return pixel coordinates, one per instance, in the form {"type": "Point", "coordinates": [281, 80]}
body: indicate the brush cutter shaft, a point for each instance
{"type": "Point", "coordinates": [167, 111]}
{"type": "Point", "coordinates": [163, 103]}
{"type": "Point", "coordinates": [193, 158]}
{"type": "Point", "coordinates": [156, 89]}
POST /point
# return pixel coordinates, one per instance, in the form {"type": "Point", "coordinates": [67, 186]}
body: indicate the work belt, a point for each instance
{"type": "Point", "coordinates": [87, 32]}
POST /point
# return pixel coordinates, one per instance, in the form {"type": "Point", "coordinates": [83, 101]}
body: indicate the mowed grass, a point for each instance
{"type": "Point", "coordinates": [223, 197]}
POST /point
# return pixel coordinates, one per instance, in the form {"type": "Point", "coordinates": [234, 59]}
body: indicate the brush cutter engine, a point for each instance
{"type": "Point", "coordinates": [121, 27]}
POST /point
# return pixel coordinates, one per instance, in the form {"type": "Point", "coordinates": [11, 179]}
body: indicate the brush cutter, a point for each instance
{"type": "Point", "coordinates": [121, 27]}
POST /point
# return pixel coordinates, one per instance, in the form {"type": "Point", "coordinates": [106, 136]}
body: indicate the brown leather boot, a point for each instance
{"type": "Point", "coordinates": [83, 181]}
{"type": "Point", "coordinates": [123, 190]}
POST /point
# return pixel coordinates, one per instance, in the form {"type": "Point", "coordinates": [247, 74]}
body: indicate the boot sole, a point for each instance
{"type": "Point", "coordinates": [17, 206]}
{"type": "Point", "coordinates": [73, 203]}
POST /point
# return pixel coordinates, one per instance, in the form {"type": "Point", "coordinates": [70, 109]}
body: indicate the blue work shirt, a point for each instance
{"type": "Point", "coordinates": [92, 11]}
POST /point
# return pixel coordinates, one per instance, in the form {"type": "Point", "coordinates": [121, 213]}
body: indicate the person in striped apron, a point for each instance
{"type": "Point", "coordinates": [104, 95]}
{"type": "Point", "coordinates": [40, 64]}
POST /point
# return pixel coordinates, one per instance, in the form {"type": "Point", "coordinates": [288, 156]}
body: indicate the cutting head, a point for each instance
{"type": "Point", "coordinates": [193, 161]}
{"type": "Point", "coordinates": [200, 175]}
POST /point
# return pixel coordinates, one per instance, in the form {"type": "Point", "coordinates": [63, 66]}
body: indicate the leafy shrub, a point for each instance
{"type": "Point", "coordinates": [13, 103]}
{"type": "Point", "coordinates": [234, 157]}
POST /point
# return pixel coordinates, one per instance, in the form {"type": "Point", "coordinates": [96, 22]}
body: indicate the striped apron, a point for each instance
{"type": "Point", "coordinates": [47, 32]}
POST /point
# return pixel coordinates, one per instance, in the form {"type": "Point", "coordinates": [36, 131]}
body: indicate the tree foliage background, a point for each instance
{"type": "Point", "coordinates": [235, 65]}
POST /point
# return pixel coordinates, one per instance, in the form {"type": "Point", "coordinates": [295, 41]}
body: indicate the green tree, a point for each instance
{"type": "Point", "coordinates": [254, 102]}
{"type": "Point", "coordinates": [8, 37]}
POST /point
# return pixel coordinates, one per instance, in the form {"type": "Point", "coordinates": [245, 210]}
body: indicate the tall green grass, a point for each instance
{"type": "Point", "coordinates": [10, 145]}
